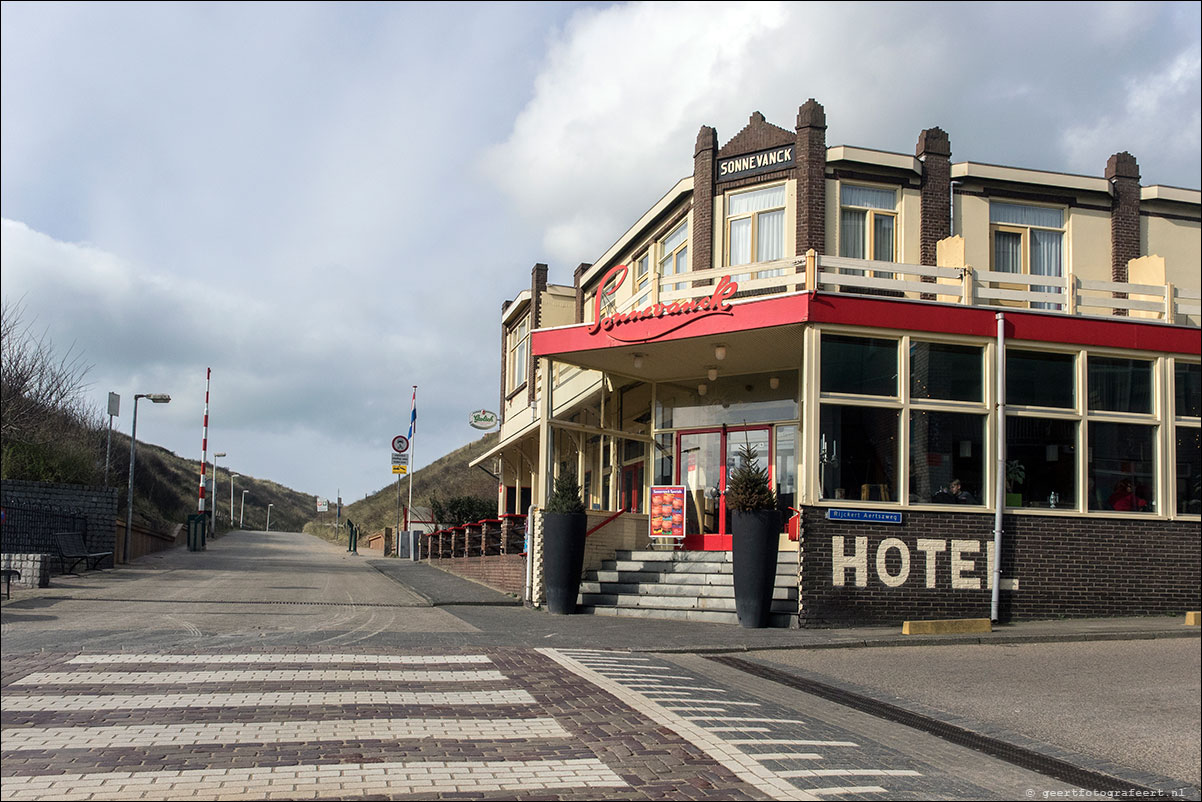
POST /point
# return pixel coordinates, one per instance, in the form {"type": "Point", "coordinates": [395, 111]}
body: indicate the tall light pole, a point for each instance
{"type": "Point", "coordinates": [242, 509]}
{"type": "Point", "coordinates": [269, 506]}
{"type": "Point", "coordinates": [216, 455]}
{"type": "Point", "coordinates": [158, 398]}
{"type": "Point", "coordinates": [233, 476]}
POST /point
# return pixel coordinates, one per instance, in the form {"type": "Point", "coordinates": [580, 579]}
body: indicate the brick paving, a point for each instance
{"type": "Point", "coordinates": [200, 726]}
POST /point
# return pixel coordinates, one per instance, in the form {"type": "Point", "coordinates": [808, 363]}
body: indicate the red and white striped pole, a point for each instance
{"type": "Point", "coordinates": [204, 443]}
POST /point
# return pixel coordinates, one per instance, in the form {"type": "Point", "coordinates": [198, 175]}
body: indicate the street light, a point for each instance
{"type": "Point", "coordinates": [269, 506]}
{"type": "Point", "coordinates": [242, 509]}
{"type": "Point", "coordinates": [158, 398]}
{"type": "Point", "coordinates": [215, 456]}
{"type": "Point", "coordinates": [233, 476]}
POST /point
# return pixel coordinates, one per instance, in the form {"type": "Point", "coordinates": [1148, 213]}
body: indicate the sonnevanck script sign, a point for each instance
{"type": "Point", "coordinates": [673, 315]}
{"type": "Point", "coordinates": [754, 163]}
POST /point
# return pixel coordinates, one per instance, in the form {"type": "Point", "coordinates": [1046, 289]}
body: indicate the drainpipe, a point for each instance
{"type": "Point", "coordinates": [999, 493]}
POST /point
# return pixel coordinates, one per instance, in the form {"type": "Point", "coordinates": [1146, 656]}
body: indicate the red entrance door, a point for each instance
{"type": "Point", "coordinates": [704, 458]}
{"type": "Point", "coordinates": [632, 487]}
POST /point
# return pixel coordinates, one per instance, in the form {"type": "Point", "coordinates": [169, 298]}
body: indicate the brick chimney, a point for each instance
{"type": "Point", "coordinates": [935, 150]}
{"type": "Point", "coordinates": [705, 157]}
{"type": "Point", "coordinates": [1122, 171]}
{"type": "Point", "coordinates": [811, 177]}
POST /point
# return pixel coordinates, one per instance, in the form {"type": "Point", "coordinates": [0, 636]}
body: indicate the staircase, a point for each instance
{"type": "Point", "coordinates": [682, 585]}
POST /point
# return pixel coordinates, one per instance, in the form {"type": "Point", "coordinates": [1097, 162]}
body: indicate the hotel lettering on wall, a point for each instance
{"type": "Point", "coordinates": [665, 317]}
{"type": "Point", "coordinates": [764, 161]}
{"type": "Point", "coordinates": [933, 563]}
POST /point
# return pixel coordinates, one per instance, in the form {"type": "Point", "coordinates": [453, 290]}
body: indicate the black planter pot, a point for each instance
{"type": "Point", "coordinates": [756, 538]}
{"type": "Point", "coordinates": [563, 559]}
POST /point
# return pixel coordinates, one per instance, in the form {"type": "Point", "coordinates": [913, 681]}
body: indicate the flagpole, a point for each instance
{"type": "Point", "coordinates": [412, 468]}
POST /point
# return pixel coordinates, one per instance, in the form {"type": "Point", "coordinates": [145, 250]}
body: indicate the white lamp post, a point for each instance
{"type": "Point", "coordinates": [233, 476]}
{"type": "Point", "coordinates": [158, 398]}
{"type": "Point", "coordinates": [216, 455]}
{"type": "Point", "coordinates": [269, 506]}
{"type": "Point", "coordinates": [242, 509]}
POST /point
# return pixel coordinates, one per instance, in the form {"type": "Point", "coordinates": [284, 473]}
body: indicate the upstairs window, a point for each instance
{"type": "Point", "coordinates": [1028, 240]}
{"type": "Point", "coordinates": [519, 354]}
{"type": "Point", "coordinates": [642, 280]}
{"type": "Point", "coordinates": [755, 226]}
{"type": "Point", "coordinates": [674, 256]}
{"type": "Point", "coordinates": [867, 223]}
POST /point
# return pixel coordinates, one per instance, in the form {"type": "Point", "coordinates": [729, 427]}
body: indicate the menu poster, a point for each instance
{"type": "Point", "coordinates": [667, 511]}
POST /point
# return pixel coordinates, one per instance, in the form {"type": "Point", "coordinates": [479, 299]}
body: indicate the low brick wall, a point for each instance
{"type": "Point", "coordinates": [937, 565]}
{"type": "Point", "coordinates": [35, 510]}
{"type": "Point", "coordinates": [504, 572]}
{"type": "Point", "coordinates": [34, 568]}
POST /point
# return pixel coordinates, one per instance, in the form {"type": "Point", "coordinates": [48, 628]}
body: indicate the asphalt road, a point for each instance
{"type": "Point", "coordinates": [282, 613]}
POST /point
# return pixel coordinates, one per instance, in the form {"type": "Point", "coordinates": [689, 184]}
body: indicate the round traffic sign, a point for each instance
{"type": "Point", "coordinates": [400, 444]}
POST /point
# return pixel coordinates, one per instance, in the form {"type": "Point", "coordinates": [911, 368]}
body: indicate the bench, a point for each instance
{"type": "Point", "coordinates": [72, 547]}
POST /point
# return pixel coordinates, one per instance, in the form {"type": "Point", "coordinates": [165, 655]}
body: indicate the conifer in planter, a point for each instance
{"type": "Point", "coordinates": [755, 538]}
{"type": "Point", "coordinates": [564, 527]}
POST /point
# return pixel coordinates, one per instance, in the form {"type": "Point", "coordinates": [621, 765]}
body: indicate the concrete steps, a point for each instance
{"type": "Point", "coordinates": [683, 586]}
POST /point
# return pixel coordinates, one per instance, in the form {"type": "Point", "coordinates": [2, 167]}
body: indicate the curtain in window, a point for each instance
{"type": "Point", "coordinates": [868, 196]}
{"type": "Point", "coordinates": [740, 241]}
{"type": "Point", "coordinates": [757, 201]}
{"type": "Point", "coordinates": [1019, 215]}
{"type": "Point", "coordinates": [770, 244]}
{"type": "Point", "coordinates": [882, 238]}
{"type": "Point", "coordinates": [852, 233]}
{"type": "Point", "coordinates": [1045, 261]}
{"type": "Point", "coordinates": [1007, 252]}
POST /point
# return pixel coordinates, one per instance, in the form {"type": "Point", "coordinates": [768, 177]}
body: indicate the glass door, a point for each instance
{"type": "Point", "coordinates": [704, 459]}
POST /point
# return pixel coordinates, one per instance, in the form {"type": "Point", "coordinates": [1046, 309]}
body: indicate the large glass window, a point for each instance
{"type": "Point", "coordinates": [1120, 385]}
{"type": "Point", "coordinates": [642, 280]}
{"type": "Point", "coordinates": [674, 256]}
{"type": "Point", "coordinates": [1037, 379]}
{"type": "Point", "coordinates": [1187, 383]}
{"type": "Point", "coordinates": [743, 399]}
{"type": "Point", "coordinates": [858, 452]}
{"type": "Point", "coordinates": [859, 365]}
{"type": "Point", "coordinates": [1122, 467]}
{"type": "Point", "coordinates": [947, 458]}
{"type": "Point", "coordinates": [1041, 456]}
{"type": "Point", "coordinates": [1028, 240]}
{"type": "Point", "coordinates": [1189, 470]}
{"type": "Point", "coordinates": [786, 469]}
{"type": "Point", "coordinates": [755, 226]}
{"type": "Point", "coordinates": [946, 372]}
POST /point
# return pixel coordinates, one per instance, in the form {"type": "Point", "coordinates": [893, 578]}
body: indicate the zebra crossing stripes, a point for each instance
{"type": "Point", "coordinates": [740, 728]}
{"type": "Point", "coordinates": [171, 739]}
{"type": "Point", "coordinates": [235, 677]}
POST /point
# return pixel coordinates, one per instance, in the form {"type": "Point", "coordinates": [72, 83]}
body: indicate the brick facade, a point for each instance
{"type": "Point", "coordinates": [1064, 567]}
{"type": "Point", "coordinates": [705, 155]}
{"type": "Point", "coordinates": [504, 572]}
{"type": "Point", "coordinates": [35, 510]}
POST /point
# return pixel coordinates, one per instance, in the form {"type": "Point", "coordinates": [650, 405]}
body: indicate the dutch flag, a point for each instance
{"type": "Point", "coordinates": [413, 416]}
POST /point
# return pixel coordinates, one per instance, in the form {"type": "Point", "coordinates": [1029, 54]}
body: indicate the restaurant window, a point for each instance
{"type": "Point", "coordinates": [858, 452]}
{"type": "Point", "coordinates": [867, 222]}
{"type": "Point", "coordinates": [946, 372]}
{"type": "Point", "coordinates": [947, 458]}
{"type": "Point", "coordinates": [1120, 385]}
{"type": "Point", "coordinates": [1187, 395]}
{"type": "Point", "coordinates": [755, 228]}
{"type": "Point", "coordinates": [1028, 240]}
{"type": "Point", "coordinates": [1122, 458]}
{"type": "Point", "coordinates": [674, 257]}
{"type": "Point", "coordinates": [1039, 379]}
{"type": "Point", "coordinates": [519, 354]}
{"type": "Point", "coordinates": [859, 365]}
{"type": "Point", "coordinates": [1041, 462]}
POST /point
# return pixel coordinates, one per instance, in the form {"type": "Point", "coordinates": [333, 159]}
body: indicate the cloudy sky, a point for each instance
{"type": "Point", "coordinates": [327, 203]}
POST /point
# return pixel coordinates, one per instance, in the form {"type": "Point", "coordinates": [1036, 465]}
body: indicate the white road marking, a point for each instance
{"type": "Point", "coordinates": [282, 658]}
{"type": "Point", "coordinates": [12, 702]}
{"type": "Point", "coordinates": [197, 677]}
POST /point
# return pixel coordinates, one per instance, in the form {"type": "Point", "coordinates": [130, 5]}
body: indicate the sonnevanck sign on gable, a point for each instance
{"type": "Point", "coordinates": [754, 163]}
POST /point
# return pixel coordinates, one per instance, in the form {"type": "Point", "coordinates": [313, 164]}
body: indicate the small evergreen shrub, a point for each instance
{"type": "Point", "coordinates": [565, 498]}
{"type": "Point", "coordinates": [749, 487]}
